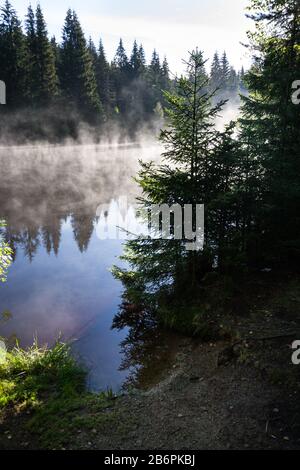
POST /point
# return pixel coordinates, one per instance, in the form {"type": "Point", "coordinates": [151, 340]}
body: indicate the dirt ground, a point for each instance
{"type": "Point", "coordinates": [201, 405]}
{"type": "Point", "coordinates": [242, 392]}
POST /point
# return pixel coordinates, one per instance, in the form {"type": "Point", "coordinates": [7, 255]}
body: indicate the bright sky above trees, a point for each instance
{"type": "Point", "coordinates": [171, 26]}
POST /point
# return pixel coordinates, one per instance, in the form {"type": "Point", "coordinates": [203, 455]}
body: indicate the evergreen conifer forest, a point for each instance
{"type": "Point", "coordinates": [150, 230]}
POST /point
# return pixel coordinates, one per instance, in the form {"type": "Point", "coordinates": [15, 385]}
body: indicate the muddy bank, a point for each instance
{"type": "Point", "coordinates": [241, 392]}
{"type": "Point", "coordinates": [200, 404]}
{"type": "Point", "coordinates": [203, 405]}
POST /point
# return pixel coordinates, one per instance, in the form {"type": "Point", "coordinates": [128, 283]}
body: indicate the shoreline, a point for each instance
{"type": "Point", "coordinates": [237, 392]}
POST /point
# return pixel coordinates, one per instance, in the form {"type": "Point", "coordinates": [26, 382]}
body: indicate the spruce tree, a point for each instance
{"type": "Point", "coordinates": [154, 78]}
{"type": "Point", "coordinates": [241, 79]}
{"type": "Point", "coordinates": [93, 51]}
{"type": "Point", "coordinates": [232, 80]}
{"type": "Point", "coordinates": [164, 273]}
{"type": "Point", "coordinates": [165, 73]}
{"type": "Point", "coordinates": [165, 68]}
{"type": "Point", "coordinates": [13, 57]}
{"type": "Point", "coordinates": [215, 72]}
{"type": "Point", "coordinates": [135, 62]}
{"type": "Point", "coordinates": [46, 79]}
{"type": "Point", "coordinates": [225, 70]}
{"type": "Point", "coordinates": [270, 132]}
{"type": "Point", "coordinates": [121, 73]}
{"type": "Point", "coordinates": [104, 79]}
{"type": "Point", "coordinates": [121, 59]}
{"type": "Point", "coordinates": [30, 30]}
{"type": "Point", "coordinates": [56, 51]}
{"type": "Point", "coordinates": [155, 64]}
{"type": "Point", "coordinates": [142, 57]}
{"type": "Point", "coordinates": [77, 75]}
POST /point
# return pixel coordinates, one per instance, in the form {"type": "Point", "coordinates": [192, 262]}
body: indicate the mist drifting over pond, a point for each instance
{"type": "Point", "coordinates": [60, 280]}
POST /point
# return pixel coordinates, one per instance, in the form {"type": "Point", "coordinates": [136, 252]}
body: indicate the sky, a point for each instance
{"type": "Point", "coordinates": [172, 27]}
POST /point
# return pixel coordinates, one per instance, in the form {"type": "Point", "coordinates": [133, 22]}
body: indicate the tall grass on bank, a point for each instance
{"type": "Point", "coordinates": [26, 376]}
{"type": "Point", "coordinates": [44, 401]}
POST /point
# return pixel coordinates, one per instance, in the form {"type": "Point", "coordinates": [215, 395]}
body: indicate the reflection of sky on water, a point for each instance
{"type": "Point", "coordinates": [73, 293]}
{"type": "Point", "coordinates": [60, 280]}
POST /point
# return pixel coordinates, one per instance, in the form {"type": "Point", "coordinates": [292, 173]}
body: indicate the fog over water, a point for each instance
{"type": "Point", "coordinates": [60, 280]}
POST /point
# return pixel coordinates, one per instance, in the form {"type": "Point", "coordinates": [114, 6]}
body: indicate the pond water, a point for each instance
{"type": "Point", "coordinates": [60, 281]}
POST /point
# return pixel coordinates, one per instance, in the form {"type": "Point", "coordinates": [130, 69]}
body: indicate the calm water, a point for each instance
{"type": "Point", "coordinates": [60, 281]}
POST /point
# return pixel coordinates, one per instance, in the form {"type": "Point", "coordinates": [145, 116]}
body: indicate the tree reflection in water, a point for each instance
{"type": "Point", "coordinates": [42, 187]}
{"type": "Point", "coordinates": [148, 350]}
{"type": "Point", "coordinates": [49, 198]}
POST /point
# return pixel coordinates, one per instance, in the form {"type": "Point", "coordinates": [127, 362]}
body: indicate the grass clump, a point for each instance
{"type": "Point", "coordinates": [43, 398]}
{"type": "Point", "coordinates": [27, 375]}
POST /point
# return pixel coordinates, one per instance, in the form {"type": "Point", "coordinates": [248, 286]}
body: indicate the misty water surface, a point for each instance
{"type": "Point", "coordinates": [59, 282]}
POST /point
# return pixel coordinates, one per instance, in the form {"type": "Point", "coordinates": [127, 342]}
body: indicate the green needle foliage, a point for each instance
{"type": "Point", "coordinates": [270, 135]}
{"type": "Point", "coordinates": [77, 74]}
{"type": "Point", "coordinates": [248, 179]}
{"type": "Point", "coordinates": [13, 56]}
{"type": "Point", "coordinates": [70, 80]}
{"type": "Point", "coordinates": [5, 256]}
{"type": "Point", "coordinates": [165, 276]}
{"type": "Point", "coordinates": [42, 75]}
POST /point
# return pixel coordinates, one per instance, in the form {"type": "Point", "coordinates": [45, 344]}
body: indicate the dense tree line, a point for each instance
{"type": "Point", "coordinates": [248, 177]}
{"type": "Point", "coordinates": [223, 75]}
{"type": "Point", "coordinates": [42, 73]}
